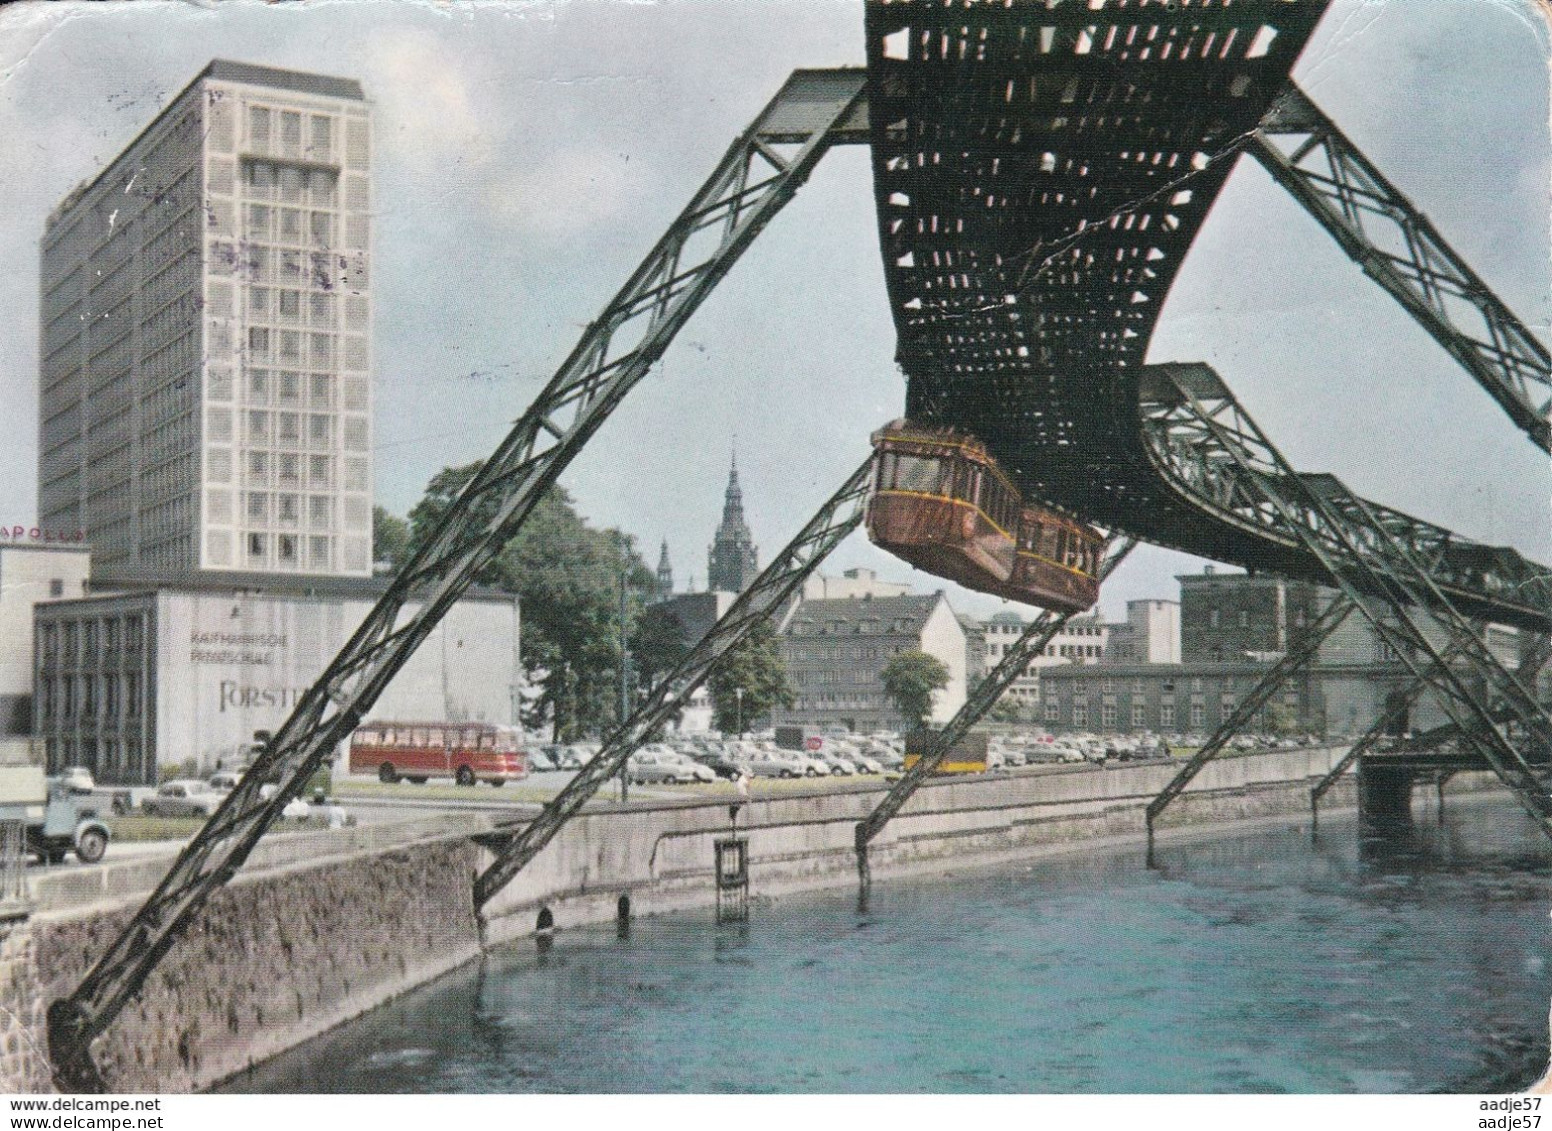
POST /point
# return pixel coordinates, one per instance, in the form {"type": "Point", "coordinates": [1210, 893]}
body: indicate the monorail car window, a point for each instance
{"type": "Point", "coordinates": [924, 476]}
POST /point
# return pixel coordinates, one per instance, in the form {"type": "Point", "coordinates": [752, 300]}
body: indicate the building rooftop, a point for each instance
{"type": "Point", "coordinates": [225, 70]}
{"type": "Point", "coordinates": [837, 616]}
{"type": "Point", "coordinates": [259, 75]}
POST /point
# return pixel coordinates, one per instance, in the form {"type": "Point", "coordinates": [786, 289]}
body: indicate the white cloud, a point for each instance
{"type": "Point", "coordinates": [427, 115]}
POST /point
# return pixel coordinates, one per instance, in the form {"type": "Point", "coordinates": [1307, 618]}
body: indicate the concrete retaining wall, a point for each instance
{"type": "Point", "coordinates": [321, 927]}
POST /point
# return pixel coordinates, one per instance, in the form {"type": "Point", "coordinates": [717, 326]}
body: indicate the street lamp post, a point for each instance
{"type": "Point", "coordinates": [624, 683]}
{"type": "Point", "coordinates": [738, 696]}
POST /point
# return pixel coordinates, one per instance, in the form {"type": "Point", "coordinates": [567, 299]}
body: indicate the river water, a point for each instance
{"type": "Point", "coordinates": [1251, 963]}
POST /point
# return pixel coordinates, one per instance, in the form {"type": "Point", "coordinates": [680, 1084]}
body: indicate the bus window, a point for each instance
{"type": "Point", "coordinates": [434, 737]}
{"type": "Point", "coordinates": [418, 737]}
{"type": "Point", "coordinates": [471, 739]}
{"type": "Point", "coordinates": [487, 741]}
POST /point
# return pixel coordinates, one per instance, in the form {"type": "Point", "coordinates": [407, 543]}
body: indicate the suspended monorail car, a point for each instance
{"type": "Point", "coordinates": [941, 503]}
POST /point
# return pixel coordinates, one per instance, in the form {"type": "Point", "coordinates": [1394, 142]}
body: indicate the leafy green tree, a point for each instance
{"type": "Point", "coordinates": [567, 575]}
{"type": "Point", "coordinates": [754, 666]}
{"type": "Point", "coordinates": [909, 680]}
{"type": "Point", "coordinates": [1006, 710]}
{"type": "Point", "coordinates": [390, 537]}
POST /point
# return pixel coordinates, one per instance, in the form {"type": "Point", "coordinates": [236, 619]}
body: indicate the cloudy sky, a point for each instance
{"type": "Point", "coordinates": [528, 154]}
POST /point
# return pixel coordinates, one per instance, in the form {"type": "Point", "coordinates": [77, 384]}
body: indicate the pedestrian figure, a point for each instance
{"type": "Point", "coordinates": [741, 785]}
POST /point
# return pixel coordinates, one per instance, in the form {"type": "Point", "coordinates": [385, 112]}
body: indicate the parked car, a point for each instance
{"type": "Point", "coordinates": [647, 766]}
{"type": "Point", "coordinates": [224, 781]}
{"type": "Point", "coordinates": [722, 767]}
{"type": "Point", "coordinates": [184, 797]}
{"type": "Point", "coordinates": [775, 764]}
{"type": "Point", "coordinates": [839, 767]}
{"type": "Point", "coordinates": [540, 762]}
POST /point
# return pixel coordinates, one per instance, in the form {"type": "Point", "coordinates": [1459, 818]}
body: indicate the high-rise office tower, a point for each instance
{"type": "Point", "coordinates": [206, 393]}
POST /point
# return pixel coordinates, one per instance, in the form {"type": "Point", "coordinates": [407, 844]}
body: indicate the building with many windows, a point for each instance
{"type": "Point", "coordinates": [1228, 617]}
{"type": "Point", "coordinates": [836, 650]}
{"type": "Point", "coordinates": [205, 393]}
{"type": "Point", "coordinates": [1082, 640]}
{"type": "Point", "coordinates": [31, 573]}
{"type": "Point", "coordinates": [129, 682]}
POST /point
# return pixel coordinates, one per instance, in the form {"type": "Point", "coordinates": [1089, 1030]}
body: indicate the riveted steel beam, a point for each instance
{"type": "Point", "coordinates": [764, 598]}
{"type": "Point", "coordinates": [1367, 559]}
{"type": "Point", "coordinates": [1298, 657]}
{"type": "Point", "coordinates": [1400, 249]}
{"type": "Point", "coordinates": [1036, 635]}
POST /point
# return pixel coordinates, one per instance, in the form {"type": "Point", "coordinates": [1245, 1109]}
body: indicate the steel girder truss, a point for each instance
{"type": "Point", "coordinates": [1189, 410]}
{"type": "Point", "coordinates": [1303, 651]}
{"type": "Point", "coordinates": [769, 592]}
{"type": "Point", "coordinates": [1399, 248]}
{"type": "Point", "coordinates": [1527, 672]}
{"type": "Point", "coordinates": [757, 176]}
{"type": "Point", "coordinates": [1036, 635]}
{"type": "Point", "coordinates": [1184, 448]}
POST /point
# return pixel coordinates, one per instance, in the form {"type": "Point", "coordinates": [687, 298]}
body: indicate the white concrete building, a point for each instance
{"type": "Point", "coordinates": [129, 682]}
{"type": "Point", "coordinates": [1149, 635]}
{"type": "Point", "coordinates": [205, 387]}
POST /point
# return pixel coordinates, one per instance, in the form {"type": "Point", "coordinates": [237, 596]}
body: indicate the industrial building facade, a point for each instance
{"type": "Point", "coordinates": [130, 682]}
{"type": "Point", "coordinates": [205, 392]}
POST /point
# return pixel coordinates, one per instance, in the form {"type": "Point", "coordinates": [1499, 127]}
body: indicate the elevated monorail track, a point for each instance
{"type": "Point", "coordinates": [1040, 173]}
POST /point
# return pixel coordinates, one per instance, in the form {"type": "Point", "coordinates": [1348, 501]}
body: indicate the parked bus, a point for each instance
{"type": "Point", "coordinates": [418, 752]}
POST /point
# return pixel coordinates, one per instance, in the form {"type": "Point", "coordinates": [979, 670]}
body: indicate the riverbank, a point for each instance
{"type": "Point", "coordinates": [321, 927]}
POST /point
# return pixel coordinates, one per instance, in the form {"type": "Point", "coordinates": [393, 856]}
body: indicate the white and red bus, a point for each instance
{"type": "Point", "coordinates": [417, 752]}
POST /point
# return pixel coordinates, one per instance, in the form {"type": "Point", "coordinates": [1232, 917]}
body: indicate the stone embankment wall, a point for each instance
{"type": "Point", "coordinates": [321, 927]}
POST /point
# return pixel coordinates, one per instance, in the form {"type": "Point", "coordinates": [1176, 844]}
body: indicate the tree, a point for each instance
{"type": "Point", "coordinates": [910, 679]}
{"type": "Point", "coordinates": [567, 575]}
{"type": "Point", "coordinates": [1006, 710]}
{"type": "Point", "coordinates": [390, 538]}
{"type": "Point", "coordinates": [754, 667]}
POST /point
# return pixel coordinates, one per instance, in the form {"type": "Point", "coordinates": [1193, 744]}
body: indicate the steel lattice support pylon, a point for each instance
{"type": "Point", "coordinates": [1036, 635]}
{"type": "Point", "coordinates": [1297, 657]}
{"type": "Point", "coordinates": [769, 592]}
{"type": "Point", "coordinates": [756, 177]}
{"type": "Point", "coordinates": [1365, 213]}
{"type": "Point", "coordinates": [1527, 671]}
{"type": "Point", "coordinates": [1364, 557]}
